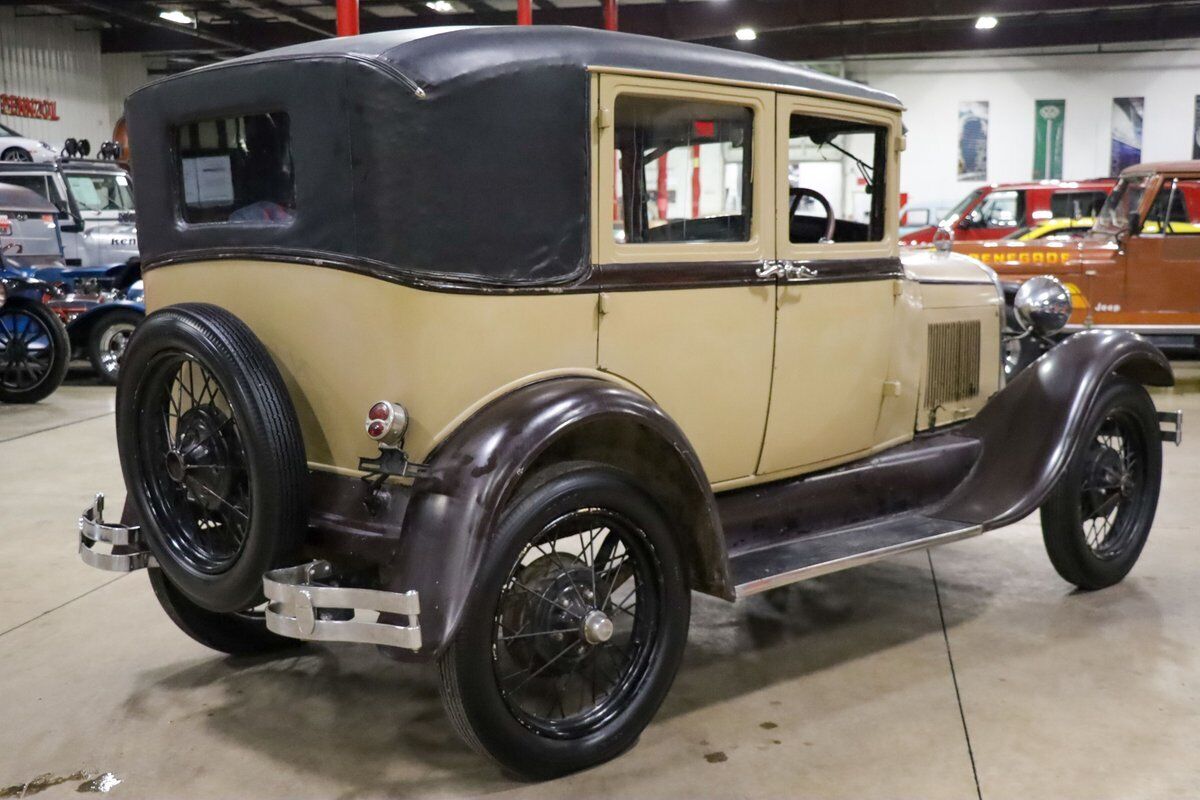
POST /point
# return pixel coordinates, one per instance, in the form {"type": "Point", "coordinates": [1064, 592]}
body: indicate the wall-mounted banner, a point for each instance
{"type": "Point", "coordinates": [1126, 133]}
{"type": "Point", "coordinates": [30, 107]}
{"type": "Point", "coordinates": [1048, 119]}
{"type": "Point", "coordinates": [972, 140]}
{"type": "Point", "coordinates": [1196, 130]}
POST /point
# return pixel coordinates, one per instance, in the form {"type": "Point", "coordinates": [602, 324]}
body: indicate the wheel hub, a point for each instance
{"type": "Point", "coordinates": [200, 454]}
{"type": "Point", "coordinates": [597, 627]}
{"type": "Point", "coordinates": [1106, 475]}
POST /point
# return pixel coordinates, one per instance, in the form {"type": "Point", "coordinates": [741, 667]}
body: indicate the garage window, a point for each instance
{"type": "Point", "coordinates": [683, 171]}
{"type": "Point", "coordinates": [842, 163]}
{"type": "Point", "coordinates": [236, 170]}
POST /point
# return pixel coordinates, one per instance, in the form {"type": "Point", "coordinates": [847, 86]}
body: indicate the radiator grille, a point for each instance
{"type": "Point", "coordinates": [953, 372]}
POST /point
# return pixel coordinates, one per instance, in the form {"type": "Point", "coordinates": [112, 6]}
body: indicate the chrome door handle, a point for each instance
{"type": "Point", "coordinates": [769, 269]}
{"type": "Point", "coordinates": [799, 272]}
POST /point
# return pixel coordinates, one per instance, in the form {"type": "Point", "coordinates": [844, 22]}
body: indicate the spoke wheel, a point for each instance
{"type": "Point", "coordinates": [33, 352]}
{"type": "Point", "coordinates": [1097, 519]}
{"type": "Point", "coordinates": [575, 626]}
{"type": "Point", "coordinates": [575, 623]}
{"type": "Point", "coordinates": [199, 482]}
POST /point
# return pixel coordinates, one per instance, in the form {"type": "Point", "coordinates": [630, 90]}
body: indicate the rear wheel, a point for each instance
{"type": "Point", "coordinates": [575, 628]}
{"type": "Point", "coordinates": [1096, 521]}
{"type": "Point", "coordinates": [212, 454]}
{"type": "Point", "coordinates": [34, 351]}
{"type": "Point", "coordinates": [108, 340]}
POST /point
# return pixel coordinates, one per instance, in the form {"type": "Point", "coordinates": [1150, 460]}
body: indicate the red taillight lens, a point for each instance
{"type": "Point", "coordinates": [379, 411]}
{"type": "Point", "coordinates": [376, 429]}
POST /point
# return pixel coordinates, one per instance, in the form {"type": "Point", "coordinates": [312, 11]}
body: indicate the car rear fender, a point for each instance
{"type": "Point", "coordinates": [481, 467]}
{"type": "Point", "coordinates": [1030, 429]}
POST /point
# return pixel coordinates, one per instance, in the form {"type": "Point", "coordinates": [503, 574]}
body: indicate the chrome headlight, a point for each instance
{"type": "Point", "coordinates": [1042, 305]}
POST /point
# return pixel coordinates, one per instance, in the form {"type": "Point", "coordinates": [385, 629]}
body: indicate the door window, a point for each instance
{"type": "Point", "coordinates": [1174, 210]}
{"type": "Point", "coordinates": [999, 210]}
{"type": "Point", "coordinates": [683, 171]}
{"type": "Point", "coordinates": [836, 168]}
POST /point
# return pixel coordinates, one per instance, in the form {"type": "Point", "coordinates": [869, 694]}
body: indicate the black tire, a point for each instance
{"type": "Point", "coordinates": [34, 351]}
{"type": "Point", "coordinates": [1097, 518]}
{"type": "Point", "coordinates": [502, 724]}
{"type": "Point", "coordinates": [108, 340]}
{"type": "Point", "coordinates": [211, 453]}
{"type": "Point", "coordinates": [16, 154]}
{"type": "Point", "coordinates": [238, 634]}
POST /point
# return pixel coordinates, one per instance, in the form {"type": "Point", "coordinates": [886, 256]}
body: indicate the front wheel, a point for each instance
{"type": "Point", "coordinates": [108, 340]}
{"type": "Point", "coordinates": [34, 352]}
{"type": "Point", "coordinates": [1096, 520]}
{"type": "Point", "coordinates": [575, 628]}
{"type": "Point", "coordinates": [19, 154]}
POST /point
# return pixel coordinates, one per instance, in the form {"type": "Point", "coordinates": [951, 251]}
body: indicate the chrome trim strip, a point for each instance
{"type": "Point", "coordinates": [128, 549]}
{"type": "Point", "coordinates": [856, 560]}
{"type": "Point", "coordinates": [1187, 329]}
{"type": "Point", "coordinates": [300, 607]}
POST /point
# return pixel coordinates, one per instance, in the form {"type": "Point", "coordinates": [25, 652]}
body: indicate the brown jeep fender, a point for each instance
{"type": "Point", "coordinates": [1031, 428]}
{"type": "Point", "coordinates": [478, 469]}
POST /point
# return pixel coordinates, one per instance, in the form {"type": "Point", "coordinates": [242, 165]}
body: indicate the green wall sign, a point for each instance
{"type": "Point", "coordinates": [1048, 118]}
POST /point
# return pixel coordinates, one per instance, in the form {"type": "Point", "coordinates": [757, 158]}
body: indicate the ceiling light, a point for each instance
{"type": "Point", "coordinates": [746, 34]}
{"type": "Point", "coordinates": [985, 23]}
{"type": "Point", "coordinates": [441, 6]}
{"type": "Point", "coordinates": [177, 17]}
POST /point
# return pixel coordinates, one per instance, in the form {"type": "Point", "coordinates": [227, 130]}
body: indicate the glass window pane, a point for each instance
{"type": "Point", "coordinates": [236, 169]}
{"type": "Point", "coordinates": [96, 192]}
{"type": "Point", "coordinates": [836, 168]}
{"type": "Point", "coordinates": [683, 171]}
{"type": "Point", "coordinates": [1175, 209]}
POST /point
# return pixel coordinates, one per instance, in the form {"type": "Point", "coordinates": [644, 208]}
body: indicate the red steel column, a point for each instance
{"type": "Point", "coordinates": [661, 191]}
{"type": "Point", "coordinates": [695, 181]}
{"type": "Point", "coordinates": [347, 17]}
{"type": "Point", "coordinates": [610, 15]}
{"type": "Point", "coordinates": [524, 12]}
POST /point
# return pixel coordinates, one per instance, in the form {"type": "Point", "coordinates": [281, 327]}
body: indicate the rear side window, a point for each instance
{"type": "Point", "coordinates": [683, 171]}
{"type": "Point", "coordinates": [1076, 205]}
{"type": "Point", "coordinates": [236, 170]}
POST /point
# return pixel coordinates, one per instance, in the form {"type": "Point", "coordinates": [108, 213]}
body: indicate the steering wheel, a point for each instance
{"type": "Point", "coordinates": [798, 192]}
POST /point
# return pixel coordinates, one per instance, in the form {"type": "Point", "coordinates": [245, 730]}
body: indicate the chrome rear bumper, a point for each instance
{"type": "Point", "coordinates": [126, 549]}
{"type": "Point", "coordinates": [302, 608]}
{"type": "Point", "coordinates": [1174, 434]}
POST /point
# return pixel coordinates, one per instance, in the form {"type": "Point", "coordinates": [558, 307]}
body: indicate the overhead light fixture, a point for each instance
{"type": "Point", "coordinates": [177, 17]}
{"type": "Point", "coordinates": [746, 34]}
{"type": "Point", "coordinates": [441, 6]}
{"type": "Point", "coordinates": [985, 23]}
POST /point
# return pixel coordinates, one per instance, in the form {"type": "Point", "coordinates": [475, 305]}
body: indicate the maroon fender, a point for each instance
{"type": "Point", "coordinates": [1031, 428]}
{"type": "Point", "coordinates": [474, 473]}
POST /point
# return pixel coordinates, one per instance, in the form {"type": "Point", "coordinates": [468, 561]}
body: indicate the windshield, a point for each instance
{"type": "Point", "coordinates": [1126, 199]}
{"type": "Point", "coordinates": [956, 212]}
{"type": "Point", "coordinates": [101, 192]}
{"type": "Point", "coordinates": [7, 131]}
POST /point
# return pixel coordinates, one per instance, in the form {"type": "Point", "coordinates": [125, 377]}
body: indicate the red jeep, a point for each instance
{"type": "Point", "coordinates": [998, 209]}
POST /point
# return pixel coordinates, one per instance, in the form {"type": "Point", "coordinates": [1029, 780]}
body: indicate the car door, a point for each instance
{"type": "Point", "coordinates": [682, 224]}
{"type": "Point", "coordinates": [837, 294]}
{"type": "Point", "coordinates": [1164, 259]}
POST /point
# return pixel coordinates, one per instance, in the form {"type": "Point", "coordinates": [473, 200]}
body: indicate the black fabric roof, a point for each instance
{"type": "Point", "coordinates": [432, 56]}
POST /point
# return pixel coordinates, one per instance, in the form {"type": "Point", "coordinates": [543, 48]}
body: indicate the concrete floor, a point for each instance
{"type": "Point", "coordinates": [846, 686]}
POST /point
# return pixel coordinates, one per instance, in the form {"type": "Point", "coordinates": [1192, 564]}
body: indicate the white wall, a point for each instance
{"type": "Point", "coordinates": [45, 57]}
{"type": "Point", "coordinates": [932, 88]}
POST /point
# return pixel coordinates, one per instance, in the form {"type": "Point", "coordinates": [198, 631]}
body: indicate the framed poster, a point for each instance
{"type": "Point", "coordinates": [1196, 129]}
{"type": "Point", "coordinates": [1126, 133]}
{"type": "Point", "coordinates": [1048, 120]}
{"type": "Point", "coordinates": [972, 140]}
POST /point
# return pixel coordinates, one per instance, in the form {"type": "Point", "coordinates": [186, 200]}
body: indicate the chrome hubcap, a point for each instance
{"type": "Point", "coordinates": [597, 627]}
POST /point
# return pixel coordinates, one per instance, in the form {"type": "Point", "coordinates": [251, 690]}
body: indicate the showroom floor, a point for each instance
{"type": "Point", "coordinates": [995, 680]}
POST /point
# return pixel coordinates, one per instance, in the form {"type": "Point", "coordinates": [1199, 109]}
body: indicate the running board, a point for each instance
{"type": "Point", "coordinates": [757, 571]}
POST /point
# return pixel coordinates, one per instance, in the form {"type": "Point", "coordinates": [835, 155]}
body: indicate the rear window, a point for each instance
{"type": "Point", "coordinates": [1076, 205]}
{"type": "Point", "coordinates": [236, 170]}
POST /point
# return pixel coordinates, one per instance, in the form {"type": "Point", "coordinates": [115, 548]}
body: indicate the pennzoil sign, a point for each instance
{"type": "Point", "coordinates": [30, 107]}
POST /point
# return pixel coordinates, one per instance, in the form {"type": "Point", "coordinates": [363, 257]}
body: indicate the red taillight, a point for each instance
{"type": "Point", "coordinates": [376, 429]}
{"type": "Point", "coordinates": [386, 423]}
{"type": "Point", "coordinates": [379, 411]}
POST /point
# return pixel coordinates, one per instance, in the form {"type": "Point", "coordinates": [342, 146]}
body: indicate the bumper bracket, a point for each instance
{"type": "Point", "coordinates": [127, 549]}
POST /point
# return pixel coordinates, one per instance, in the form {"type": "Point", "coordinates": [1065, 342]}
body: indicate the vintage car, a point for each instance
{"type": "Point", "coordinates": [95, 206]}
{"type": "Point", "coordinates": [549, 390]}
{"type": "Point", "coordinates": [997, 210]}
{"type": "Point", "coordinates": [1138, 267]}
{"type": "Point", "coordinates": [34, 351]}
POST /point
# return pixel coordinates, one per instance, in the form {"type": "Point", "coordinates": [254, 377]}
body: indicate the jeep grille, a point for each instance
{"type": "Point", "coordinates": [953, 372]}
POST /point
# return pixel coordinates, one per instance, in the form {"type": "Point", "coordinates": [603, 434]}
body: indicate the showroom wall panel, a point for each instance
{"type": "Point", "coordinates": [47, 58]}
{"type": "Point", "coordinates": [934, 88]}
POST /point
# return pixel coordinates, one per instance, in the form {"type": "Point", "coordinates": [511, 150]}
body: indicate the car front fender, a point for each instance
{"type": "Point", "coordinates": [80, 328]}
{"type": "Point", "coordinates": [475, 473]}
{"type": "Point", "coordinates": [1030, 429]}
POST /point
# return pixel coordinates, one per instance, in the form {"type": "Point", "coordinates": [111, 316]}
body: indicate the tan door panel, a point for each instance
{"type": "Point", "coordinates": [704, 355]}
{"type": "Point", "coordinates": [832, 351]}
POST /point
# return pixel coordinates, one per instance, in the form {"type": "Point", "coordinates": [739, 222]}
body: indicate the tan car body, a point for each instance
{"type": "Point", "coordinates": [765, 380]}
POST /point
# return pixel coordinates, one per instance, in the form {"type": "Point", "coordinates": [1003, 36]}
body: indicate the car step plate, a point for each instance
{"type": "Point", "coordinates": [817, 554]}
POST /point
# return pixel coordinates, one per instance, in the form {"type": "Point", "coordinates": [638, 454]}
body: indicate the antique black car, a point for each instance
{"type": "Point", "coordinates": [589, 337]}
